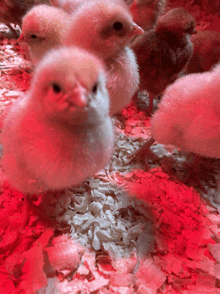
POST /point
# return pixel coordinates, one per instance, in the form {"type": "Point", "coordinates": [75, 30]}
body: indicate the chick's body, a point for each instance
{"type": "Point", "coordinates": [43, 28]}
{"type": "Point", "coordinates": [122, 80]}
{"type": "Point", "coordinates": [188, 115]}
{"type": "Point", "coordinates": [146, 12]}
{"type": "Point", "coordinates": [163, 52]}
{"type": "Point", "coordinates": [206, 51]}
{"type": "Point", "coordinates": [60, 133]}
{"type": "Point", "coordinates": [111, 33]}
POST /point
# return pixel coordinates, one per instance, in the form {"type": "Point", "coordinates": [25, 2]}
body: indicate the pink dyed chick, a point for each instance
{"type": "Point", "coordinates": [60, 133]}
{"type": "Point", "coordinates": [43, 28]}
{"type": "Point", "coordinates": [164, 51]}
{"type": "Point", "coordinates": [112, 31]}
{"type": "Point", "coordinates": [206, 51]}
{"type": "Point", "coordinates": [12, 11]}
{"type": "Point", "coordinates": [146, 12]}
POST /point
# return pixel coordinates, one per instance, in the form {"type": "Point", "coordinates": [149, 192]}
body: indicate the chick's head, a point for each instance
{"type": "Point", "coordinates": [69, 86]}
{"type": "Point", "coordinates": [177, 21]}
{"type": "Point", "coordinates": [103, 27]}
{"type": "Point", "coordinates": [43, 27]}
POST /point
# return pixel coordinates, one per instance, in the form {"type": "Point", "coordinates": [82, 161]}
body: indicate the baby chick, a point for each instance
{"type": "Point", "coordinates": [111, 33]}
{"type": "Point", "coordinates": [43, 28]}
{"type": "Point", "coordinates": [164, 51]}
{"type": "Point", "coordinates": [60, 133]}
{"type": "Point", "coordinates": [188, 114]}
{"type": "Point", "coordinates": [12, 11]}
{"type": "Point", "coordinates": [146, 12]}
{"type": "Point", "coordinates": [188, 117]}
{"type": "Point", "coordinates": [206, 51]}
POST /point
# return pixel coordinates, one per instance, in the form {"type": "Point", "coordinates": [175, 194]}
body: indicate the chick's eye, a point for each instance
{"type": "Point", "coordinates": [33, 37]}
{"type": "Point", "coordinates": [56, 88]}
{"type": "Point", "coordinates": [118, 26]}
{"type": "Point", "coordinates": [95, 87]}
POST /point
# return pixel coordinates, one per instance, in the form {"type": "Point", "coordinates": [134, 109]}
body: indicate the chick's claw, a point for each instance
{"type": "Point", "coordinates": [144, 153]}
{"type": "Point", "coordinates": [193, 178]}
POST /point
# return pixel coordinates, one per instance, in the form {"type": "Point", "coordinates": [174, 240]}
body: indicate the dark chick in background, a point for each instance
{"type": "Point", "coordinates": [163, 52]}
{"type": "Point", "coordinates": [206, 51]}
{"type": "Point", "coordinates": [146, 12]}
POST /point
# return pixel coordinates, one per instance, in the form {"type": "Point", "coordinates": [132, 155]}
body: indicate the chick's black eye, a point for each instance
{"type": "Point", "coordinates": [95, 87]}
{"type": "Point", "coordinates": [118, 26]}
{"type": "Point", "coordinates": [56, 88]}
{"type": "Point", "coordinates": [33, 37]}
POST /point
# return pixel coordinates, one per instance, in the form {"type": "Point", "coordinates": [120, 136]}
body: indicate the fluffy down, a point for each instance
{"type": "Point", "coordinates": [146, 12]}
{"type": "Point", "coordinates": [189, 114]}
{"type": "Point", "coordinates": [206, 51]}
{"type": "Point", "coordinates": [106, 29]}
{"type": "Point", "coordinates": [12, 11]}
{"type": "Point", "coordinates": [60, 133]}
{"type": "Point", "coordinates": [43, 28]}
{"type": "Point", "coordinates": [164, 51]}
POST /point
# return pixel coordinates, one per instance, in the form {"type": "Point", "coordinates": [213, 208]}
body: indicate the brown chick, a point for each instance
{"type": "Point", "coordinates": [206, 51]}
{"type": "Point", "coordinates": [12, 11]}
{"type": "Point", "coordinates": [164, 51]}
{"type": "Point", "coordinates": [146, 12]}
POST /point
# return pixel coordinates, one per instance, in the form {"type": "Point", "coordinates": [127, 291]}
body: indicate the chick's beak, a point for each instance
{"type": "Point", "coordinates": [21, 38]}
{"type": "Point", "coordinates": [78, 96]}
{"type": "Point", "coordinates": [137, 30]}
{"type": "Point", "coordinates": [194, 31]}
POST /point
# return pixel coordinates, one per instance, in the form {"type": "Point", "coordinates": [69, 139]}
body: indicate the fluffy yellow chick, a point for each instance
{"type": "Point", "coordinates": [106, 29]}
{"type": "Point", "coordinates": [43, 28]}
{"type": "Point", "coordinates": [60, 133]}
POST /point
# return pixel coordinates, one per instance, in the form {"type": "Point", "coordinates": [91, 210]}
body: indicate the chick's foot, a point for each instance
{"type": "Point", "coordinates": [144, 153]}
